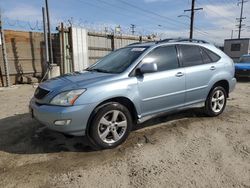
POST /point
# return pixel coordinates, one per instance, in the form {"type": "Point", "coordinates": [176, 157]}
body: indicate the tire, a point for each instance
{"type": "Point", "coordinates": [110, 125]}
{"type": "Point", "coordinates": [216, 101]}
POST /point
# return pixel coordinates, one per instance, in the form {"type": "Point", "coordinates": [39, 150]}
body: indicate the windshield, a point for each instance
{"type": "Point", "coordinates": [245, 59]}
{"type": "Point", "coordinates": [118, 61]}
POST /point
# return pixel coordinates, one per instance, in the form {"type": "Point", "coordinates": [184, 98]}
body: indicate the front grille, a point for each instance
{"type": "Point", "coordinates": [40, 93]}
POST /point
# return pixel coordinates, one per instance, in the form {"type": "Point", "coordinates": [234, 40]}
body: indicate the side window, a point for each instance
{"type": "Point", "coordinates": [214, 57]}
{"type": "Point", "coordinates": [165, 57]}
{"type": "Point", "coordinates": [191, 55]}
{"type": "Point", "coordinates": [205, 57]}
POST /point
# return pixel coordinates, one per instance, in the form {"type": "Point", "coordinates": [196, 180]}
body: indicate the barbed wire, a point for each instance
{"type": "Point", "coordinates": [90, 26]}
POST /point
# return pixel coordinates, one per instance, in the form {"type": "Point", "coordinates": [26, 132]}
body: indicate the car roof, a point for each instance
{"type": "Point", "coordinates": [185, 41]}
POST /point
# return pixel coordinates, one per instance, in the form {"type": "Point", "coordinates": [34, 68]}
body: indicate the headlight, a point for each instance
{"type": "Point", "coordinates": [67, 98]}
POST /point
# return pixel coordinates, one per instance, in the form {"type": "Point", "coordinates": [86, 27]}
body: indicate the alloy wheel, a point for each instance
{"type": "Point", "coordinates": [218, 101]}
{"type": "Point", "coordinates": [112, 126]}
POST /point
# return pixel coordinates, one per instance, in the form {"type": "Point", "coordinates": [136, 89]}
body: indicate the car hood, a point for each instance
{"type": "Point", "coordinates": [241, 66]}
{"type": "Point", "coordinates": [75, 80]}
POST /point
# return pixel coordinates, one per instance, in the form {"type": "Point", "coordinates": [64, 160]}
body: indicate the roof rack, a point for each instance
{"type": "Point", "coordinates": [134, 43]}
{"type": "Point", "coordinates": [168, 40]}
{"type": "Point", "coordinates": [141, 42]}
{"type": "Point", "coordinates": [181, 40]}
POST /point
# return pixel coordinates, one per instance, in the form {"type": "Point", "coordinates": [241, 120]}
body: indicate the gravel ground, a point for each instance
{"type": "Point", "coordinates": [181, 150]}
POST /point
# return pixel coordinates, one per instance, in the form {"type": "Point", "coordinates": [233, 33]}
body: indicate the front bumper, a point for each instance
{"type": "Point", "coordinates": [49, 114]}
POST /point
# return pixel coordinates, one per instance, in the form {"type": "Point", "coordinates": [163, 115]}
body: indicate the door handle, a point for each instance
{"type": "Point", "coordinates": [179, 74]}
{"type": "Point", "coordinates": [212, 68]}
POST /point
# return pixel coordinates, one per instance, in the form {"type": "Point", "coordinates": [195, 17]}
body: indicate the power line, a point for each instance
{"type": "Point", "coordinates": [150, 13]}
{"type": "Point", "coordinates": [113, 11]}
{"type": "Point", "coordinates": [168, 19]}
{"type": "Point", "coordinates": [215, 12]}
{"type": "Point", "coordinates": [170, 24]}
{"type": "Point", "coordinates": [173, 21]}
{"type": "Point", "coordinates": [122, 8]}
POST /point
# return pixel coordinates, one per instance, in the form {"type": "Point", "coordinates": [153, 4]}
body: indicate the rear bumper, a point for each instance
{"type": "Point", "coordinates": [48, 115]}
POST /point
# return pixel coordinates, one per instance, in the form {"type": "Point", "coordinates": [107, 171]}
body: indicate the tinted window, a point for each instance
{"type": "Point", "coordinates": [205, 57]}
{"type": "Point", "coordinates": [214, 57]}
{"type": "Point", "coordinates": [191, 55]}
{"type": "Point", "coordinates": [165, 58]}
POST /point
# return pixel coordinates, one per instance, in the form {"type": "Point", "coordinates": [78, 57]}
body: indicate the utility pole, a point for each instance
{"type": "Point", "coordinates": [45, 36]}
{"type": "Point", "coordinates": [132, 29]}
{"type": "Point", "coordinates": [49, 33]}
{"type": "Point", "coordinates": [192, 10]}
{"type": "Point", "coordinates": [241, 18]}
{"type": "Point", "coordinates": [46, 66]}
{"type": "Point", "coordinates": [5, 60]}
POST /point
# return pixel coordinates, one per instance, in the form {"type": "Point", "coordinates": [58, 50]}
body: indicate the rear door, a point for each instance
{"type": "Point", "coordinates": [198, 70]}
{"type": "Point", "coordinates": [164, 89]}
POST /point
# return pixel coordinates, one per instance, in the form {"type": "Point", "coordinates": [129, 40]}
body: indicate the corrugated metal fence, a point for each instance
{"type": "Point", "coordinates": [100, 44]}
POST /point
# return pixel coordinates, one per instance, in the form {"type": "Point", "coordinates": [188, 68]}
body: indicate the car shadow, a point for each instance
{"type": "Point", "coordinates": [20, 134]}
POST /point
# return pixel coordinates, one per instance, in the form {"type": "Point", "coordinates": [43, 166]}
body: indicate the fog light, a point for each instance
{"type": "Point", "coordinates": [62, 122]}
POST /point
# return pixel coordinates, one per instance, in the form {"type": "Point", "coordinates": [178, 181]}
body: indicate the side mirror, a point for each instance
{"type": "Point", "coordinates": [148, 68]}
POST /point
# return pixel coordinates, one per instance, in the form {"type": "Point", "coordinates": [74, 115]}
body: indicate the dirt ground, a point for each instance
{"type": "Point", "coordinates": [181, 150]}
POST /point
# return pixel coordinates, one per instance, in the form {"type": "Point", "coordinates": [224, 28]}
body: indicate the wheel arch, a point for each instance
{"type": "Point", "coordinates": [122, 100]}
{"type": "Point", "coordinates": [223, 83]}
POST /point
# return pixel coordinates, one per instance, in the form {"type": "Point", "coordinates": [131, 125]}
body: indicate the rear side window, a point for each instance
{"type": "Point", "coordinates": [190, 55]}
{"type": "Point", "coordinates": [205, 57]}
{"type": "Point", "coordinates": [214, 57]}
{"type": "Point", "coordinates": [165, 57]}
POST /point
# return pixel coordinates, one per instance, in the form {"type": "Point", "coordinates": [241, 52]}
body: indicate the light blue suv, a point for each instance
{"type": "Point", "coordinates": [133, 84]}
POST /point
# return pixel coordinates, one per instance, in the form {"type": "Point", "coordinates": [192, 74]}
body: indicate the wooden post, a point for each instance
{"type": "Point", "coordinates": [112, 37]}
{"type": "Point", "coordinates": [5, 60]}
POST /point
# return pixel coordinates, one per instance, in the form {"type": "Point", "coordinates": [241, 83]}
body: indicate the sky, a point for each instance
{"type": "Point", "coordinates": [214, 23]}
